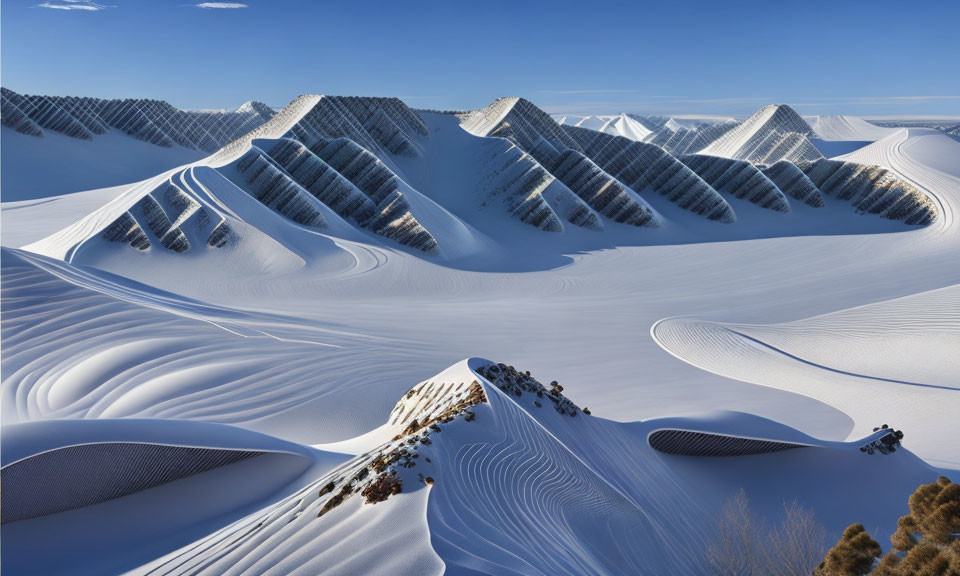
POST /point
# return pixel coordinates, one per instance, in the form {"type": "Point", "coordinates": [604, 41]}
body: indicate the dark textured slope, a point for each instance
{"type": "Point", "coordinates": [640, 165]}
{"type": "Point", "coordinates": [872, 190]}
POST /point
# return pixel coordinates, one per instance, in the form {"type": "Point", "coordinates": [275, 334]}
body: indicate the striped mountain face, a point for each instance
{"type": "Point", "coordinates": [338, 166]}
{"type": "Point", "coordinates": [153, 121]}
{"type": "Point", "coordinates": [698, 169]}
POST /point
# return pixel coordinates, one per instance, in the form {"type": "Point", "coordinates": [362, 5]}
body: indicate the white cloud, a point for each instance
{"type": "Point", "coordinates": [221, 5]}
{"type": "Point", "coordinates": [85, 5]}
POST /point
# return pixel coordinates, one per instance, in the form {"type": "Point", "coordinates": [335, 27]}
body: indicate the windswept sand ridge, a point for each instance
{"type": "Point", "coordinates": [94, 481]}
{"type": "Point", "coordinates": [888, 362]}
{"type": "Point", "coordinates": [166, 358]}
{"type": "Point", "coordinates": [387, 293]}
{"type": "Point", "coordinates": [839, 127]}
{"type": "Point", "coordinates": [508, 481]}
{"type": "Point", "coordinates": [872, 190]}
{"type": "Point", "coordinates": [923, 157]}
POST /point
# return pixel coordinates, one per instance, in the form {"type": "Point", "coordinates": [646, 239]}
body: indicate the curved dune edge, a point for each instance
{"type": "Point", "coordinates": [496, 469]}
{"type": "Point", "coordinates": [888, 362]}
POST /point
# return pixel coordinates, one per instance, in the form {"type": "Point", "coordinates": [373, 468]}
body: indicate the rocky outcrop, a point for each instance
{"type": "Point", "coordinates": [434, 401]}
{"type": "Point", "coordinates": [516, 384]}
{"type": "Point", "coordinates": [382, 472]}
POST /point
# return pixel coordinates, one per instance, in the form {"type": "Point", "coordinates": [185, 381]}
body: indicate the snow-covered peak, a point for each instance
{"type": "Point", "coordinates": [617, 125]}
{"type": "Point", "coordinates": [773, 133]}
{"type": "Point", "coordinates": [252, 106]}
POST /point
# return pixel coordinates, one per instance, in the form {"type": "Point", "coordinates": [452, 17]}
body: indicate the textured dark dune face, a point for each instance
{"type": "Point", "coordinates": [872, 190]}
{"type": "Point", "coordinates": [276, 190]}
{"type": "Point", "coordinates": [740, 179]}
{"type": "Point", "coordinates": [78, 476]}
{"type": "Point", "coordinates": [794, 183]}
{"type": "Point", "coordinates": [689, 443]}
{"type": "Point", "coordinates": [640, 165]}
{"type": "Point", "coordinates": [602, 192]}
{"type": "Point", "coordinates": [165, 217]}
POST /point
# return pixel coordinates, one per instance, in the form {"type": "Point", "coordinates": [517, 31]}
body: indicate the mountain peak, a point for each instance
{"type": "Point", "coordinates": [773, 133]}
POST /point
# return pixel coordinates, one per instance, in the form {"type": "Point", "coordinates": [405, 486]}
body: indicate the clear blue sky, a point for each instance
{"type": "Point", "coordinates": [717, 57]}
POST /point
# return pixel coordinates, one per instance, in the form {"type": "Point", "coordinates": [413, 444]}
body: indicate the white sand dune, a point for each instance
{"type": "Point", "coordinates": [891, 362]}
{"type": "Point", "coordinates": [808, 326]}
{"type": "Point", "coordinates": [90, 483]}
{"type": "Point", "coordinates": [516, 487]}
{"type": "Point", "coordinates": [840, 128]}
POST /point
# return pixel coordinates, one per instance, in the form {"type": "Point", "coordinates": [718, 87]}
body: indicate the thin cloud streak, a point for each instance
{"type": "Point", "coordinates": [74, 5]}
{"type": "Point", "coordinates": [221, 5]}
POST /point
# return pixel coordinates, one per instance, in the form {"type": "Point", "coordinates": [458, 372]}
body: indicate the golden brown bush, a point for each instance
{"type": "Point", "coordinates": [926, 543]}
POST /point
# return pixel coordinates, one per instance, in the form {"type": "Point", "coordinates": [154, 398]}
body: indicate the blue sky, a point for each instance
{"type": "Point", "coordinates": [860, 57]}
